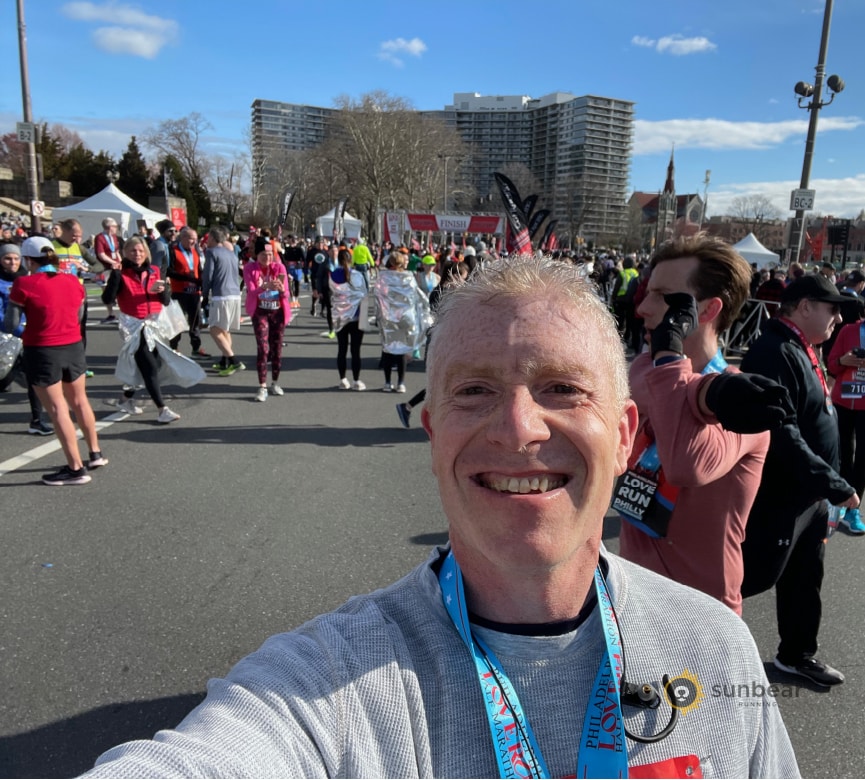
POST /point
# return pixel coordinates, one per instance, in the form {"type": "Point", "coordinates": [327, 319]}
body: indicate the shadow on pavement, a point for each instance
{"type": "Point", "coordinates": [71, 746]}
{"type": "Point", "coordinates": [148, 432]}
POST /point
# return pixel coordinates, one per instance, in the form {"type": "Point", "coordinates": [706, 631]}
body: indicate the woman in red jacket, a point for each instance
{"type": "Point", "coordinates": [140, 294]}
{"type": "Point", "coordinates": [846, 363]}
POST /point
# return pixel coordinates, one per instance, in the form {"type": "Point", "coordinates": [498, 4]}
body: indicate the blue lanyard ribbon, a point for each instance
{"type": "Point", "coordinates": [190, 258]}
{"type": "Point", "coordinates": [602, 750]}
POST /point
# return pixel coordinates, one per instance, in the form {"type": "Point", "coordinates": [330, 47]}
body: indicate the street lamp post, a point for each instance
{"type": "Point", "coordinates": [805, 90]}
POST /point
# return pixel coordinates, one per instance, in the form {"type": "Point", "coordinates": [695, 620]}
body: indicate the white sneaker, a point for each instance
{"type": "Point", "coordinates": [400, 388]}
{"type": "Point", "coordinates": [275, 389]}
{"type": "Point", "coordinates": [167, 416]}
{"type": "Point", "coordinates": [130, 407]}
{"type": "Point", "coordinates": [261, 395]}
{"type": "Point", "coordinates": [388, 388]}
{"type": "Point", "coordinates": [358, 385]}
{"type": "Point", "coordinates": [344, 384]}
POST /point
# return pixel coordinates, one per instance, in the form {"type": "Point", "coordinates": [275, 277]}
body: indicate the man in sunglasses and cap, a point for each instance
{"type": "Point", "coordinates": [159, 249]}
{"type": "Point", "coordinates": [785, 539]}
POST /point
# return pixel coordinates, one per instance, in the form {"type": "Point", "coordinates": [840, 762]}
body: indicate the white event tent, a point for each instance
{"type": "Point", "coordinates": [110, 202]}
{"type": "Point", "coordinates": [754, 252]}
{"type": "Point", "coordinates": [351, 225]}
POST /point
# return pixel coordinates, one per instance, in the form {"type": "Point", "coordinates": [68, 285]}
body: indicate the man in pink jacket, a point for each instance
{"type": "Point", "coordinates": [691, 478]}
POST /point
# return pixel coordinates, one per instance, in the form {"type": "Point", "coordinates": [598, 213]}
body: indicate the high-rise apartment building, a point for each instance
{"type": "Point", "coordinates": [578, 149]}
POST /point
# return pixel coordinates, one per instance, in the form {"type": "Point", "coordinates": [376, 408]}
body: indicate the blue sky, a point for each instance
{"type": "Point", "coordinates": [716, 79]}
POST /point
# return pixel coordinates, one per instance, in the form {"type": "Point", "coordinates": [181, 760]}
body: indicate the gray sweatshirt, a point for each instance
{"type": "Point", "coordinates": [384, 687]}
{"type": "Point", "coordinates": [220, 277]}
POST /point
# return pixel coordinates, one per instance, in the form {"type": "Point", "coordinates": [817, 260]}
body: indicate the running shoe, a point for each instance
{"type": "Point", "coordinates": [261, 395]}
{"type": "Point", "coordinates": [108, 320]}
{"type": "Point", "coordinates": [228, 370]}
{"type": "Point", "coordinates": [344, 384]}
{"type": "Point", "coordinates": [97, 459]}
{"type": "Point", "coordinates": [130, 407]}
{"type": "Point", "coordinates": [167, 416]}
{"type": "Point", "coordinates": [388, 388]}
{"type": "Point", "coordinates": [275, 389]}
{"type": "Point", "coordinates": [404, 414]}
{"type": "Point", "coordinates": [358, 385]}
{"type": "Point", "coordinates": [813, 670]}
{"type": "Point", "coordinates": [39, 428]}
{"type": "Point", "coordinates": [853, 520]}
{"type": "Point", "coordinates": [400, 388]}
{"type": "Point", "coordinates": [67, 476]}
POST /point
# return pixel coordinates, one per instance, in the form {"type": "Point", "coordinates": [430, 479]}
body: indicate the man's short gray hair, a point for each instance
{"type": "Point", "coordinates": [532, 278]}
{"type": "Point", "coordinates": [219, 234]}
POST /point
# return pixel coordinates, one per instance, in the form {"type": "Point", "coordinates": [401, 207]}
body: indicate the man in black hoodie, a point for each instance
{"type": "Point", "coordinates": [784, 544]}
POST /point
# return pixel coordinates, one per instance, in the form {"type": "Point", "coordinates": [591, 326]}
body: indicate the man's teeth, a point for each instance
{"type": "Point", "coordinates": [525, 485]}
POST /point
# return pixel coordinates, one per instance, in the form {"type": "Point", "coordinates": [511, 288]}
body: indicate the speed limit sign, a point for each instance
{"type": "Point", "coordinates": [37, 207]}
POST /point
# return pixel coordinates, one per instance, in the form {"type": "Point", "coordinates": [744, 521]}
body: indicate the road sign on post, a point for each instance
{"type": "Point", "coordinates": [26, 132]}
{"type": "Point", "coordinates": [802, 200]}
{"type": "Point", "coordinates": [37, 207]}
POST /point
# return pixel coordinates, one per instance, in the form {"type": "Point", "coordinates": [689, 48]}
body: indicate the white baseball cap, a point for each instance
{"type": "Point", "coordinates": [33, 246]}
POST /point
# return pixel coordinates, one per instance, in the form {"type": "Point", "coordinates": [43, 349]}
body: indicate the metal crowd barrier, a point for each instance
{"type": "Point", "coordinates": [745, 330]}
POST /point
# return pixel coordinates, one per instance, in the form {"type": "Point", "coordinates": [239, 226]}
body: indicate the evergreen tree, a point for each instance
{"type": "Point", "coordinates": [53, 155]}
{"type": "Point", "coordinates": [134, 179]}
{"type": "Point", "coordinates": [88, 172]}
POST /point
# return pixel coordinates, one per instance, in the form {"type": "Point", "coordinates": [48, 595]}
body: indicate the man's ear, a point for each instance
{"type": "Point", "coordinates": [709, 310]}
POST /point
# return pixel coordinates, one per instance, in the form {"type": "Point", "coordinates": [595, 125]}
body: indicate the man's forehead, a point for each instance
{"type": "Point", "coordinates": [673, 274]}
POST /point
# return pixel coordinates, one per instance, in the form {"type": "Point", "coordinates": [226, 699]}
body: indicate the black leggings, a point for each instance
{"type": "Point", "coordinates": [350, 332]}
{"type": "Point", "coordinates": [148, 364]}
{"type": "Point", "coordinates": [191, 305]}
{"type": "Point", "coordinates": [390, 362]}
{"type": "Point", "coordinates": [851, 427]}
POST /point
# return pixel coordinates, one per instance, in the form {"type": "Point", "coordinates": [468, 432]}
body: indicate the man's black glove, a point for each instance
{"type": "Point", "coordinates": [749, 403]}
{"type": "Point", "coordinates": [679, 320]}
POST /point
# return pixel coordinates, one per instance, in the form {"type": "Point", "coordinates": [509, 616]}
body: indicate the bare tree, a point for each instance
{"type": "Point", "coordinates": [388, 156]}
{"type": "Point", "coordinates": [637, 234]}
{"type": "Point", "coordinates": [755, 212]}
{"type": "Point", "coordinates": [225, 186]}
{"type": "Point", "coordinates": [181, 138]}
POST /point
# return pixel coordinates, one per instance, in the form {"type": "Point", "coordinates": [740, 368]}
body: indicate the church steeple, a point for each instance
{"type": "Point", "coordinates": [670, 184]}
{"type": "Point", "coordinates": [666, 226]}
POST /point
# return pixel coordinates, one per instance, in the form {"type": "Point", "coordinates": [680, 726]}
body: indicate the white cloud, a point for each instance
{"type": "Point", "coordinates": [641, 40]}
{"type": "Point", "coordinates": [653, 137]}
{"type": "Point", "coordinates": [124, 40]}
{"type": "Point", "coordinates": [131, 32]}
{"type": "Point", "coordinates": [676, 45]}
{"type": "Point", "coordinates": [392, 51]}
{"type": "Point", "coordinates": [837, 197]}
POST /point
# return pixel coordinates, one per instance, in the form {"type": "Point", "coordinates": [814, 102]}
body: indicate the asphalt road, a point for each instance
{"type": "Point", "coordinates": [200, 539]}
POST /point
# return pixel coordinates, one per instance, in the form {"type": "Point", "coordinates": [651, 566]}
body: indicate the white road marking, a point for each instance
{"type": "Point", "coordinates": [19, 461]}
